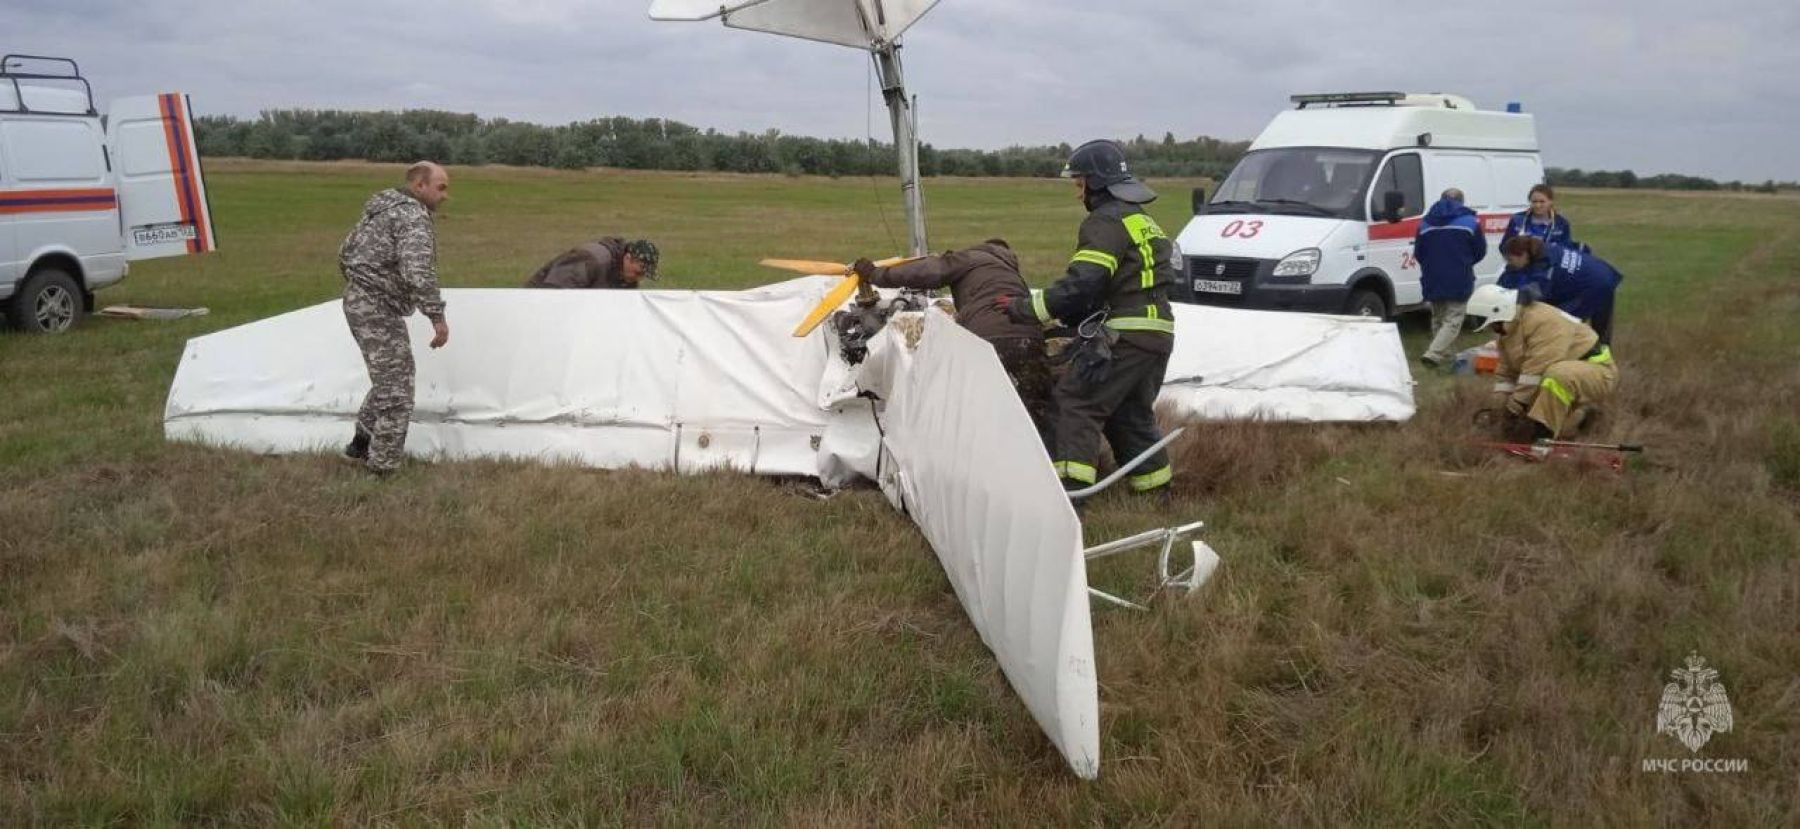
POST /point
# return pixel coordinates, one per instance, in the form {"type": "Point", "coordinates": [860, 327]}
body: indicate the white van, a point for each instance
{"type": "Point", "coordinates": [81, 194]}
{"type": "Point", "coordinates": [1320, 214]}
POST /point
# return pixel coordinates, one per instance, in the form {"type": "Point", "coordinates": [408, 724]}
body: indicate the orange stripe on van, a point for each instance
{"type": "Point", "coordinates": [166, 103]}
{"type": "Point", "coordinates": [1388, 231]}
{"type": "Point", "coordinates": [14, 202]}
{"type": "Point", "coordinates": [1408, 228]}
{"type": "Point", "coordinates": [190, 170]}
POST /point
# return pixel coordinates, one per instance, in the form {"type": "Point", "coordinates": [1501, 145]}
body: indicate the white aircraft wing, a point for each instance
{"type": "Point", "coordinates": [859, 24]}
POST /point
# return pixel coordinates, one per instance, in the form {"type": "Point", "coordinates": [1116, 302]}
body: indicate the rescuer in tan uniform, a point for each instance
{"type": "Point", "coordinates": [1553, 369]}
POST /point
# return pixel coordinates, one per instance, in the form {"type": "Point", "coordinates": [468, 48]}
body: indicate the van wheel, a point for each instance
{"type": "Point", "coordinates": [48, 303]}
{"type": "Point", "coordinates": [1366, 303]}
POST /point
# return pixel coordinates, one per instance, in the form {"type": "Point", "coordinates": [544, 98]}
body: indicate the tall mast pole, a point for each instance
{"type": "Point", "coordinates": [906, 141]}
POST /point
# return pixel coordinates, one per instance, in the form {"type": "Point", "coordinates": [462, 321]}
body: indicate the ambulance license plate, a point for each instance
{"type": "Point", "coordinates": [1218, 287]}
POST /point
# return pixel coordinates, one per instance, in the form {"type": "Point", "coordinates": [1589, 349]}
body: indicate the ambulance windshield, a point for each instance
{"type": "Point", "coordinates": [1302, 181]}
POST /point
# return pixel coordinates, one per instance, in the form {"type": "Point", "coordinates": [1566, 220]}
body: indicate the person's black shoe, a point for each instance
{"type": "Point", "coordinates": [358, 447]}
{"type": "Point", "coordinates": [1520, 429]}
{"type": "Point", "coordinates": [1586, 420]}
{"type": "Point", "coordinates": [1164, 496]}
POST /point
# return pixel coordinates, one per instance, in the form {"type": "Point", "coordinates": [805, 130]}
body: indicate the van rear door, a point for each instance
{"type": "Point", "coordinates": [162, 190]}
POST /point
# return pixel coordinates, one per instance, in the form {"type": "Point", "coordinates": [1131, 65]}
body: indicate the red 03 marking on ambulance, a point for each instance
{"type": "Point", "coordinates": [1241, 229]}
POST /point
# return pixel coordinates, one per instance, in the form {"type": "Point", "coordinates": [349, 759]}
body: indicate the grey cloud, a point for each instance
{"type": "Point", "coordinates": [1656, 85]}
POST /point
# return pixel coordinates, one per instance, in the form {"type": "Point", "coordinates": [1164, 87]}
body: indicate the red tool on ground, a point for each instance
{"type": "Point", "coordinates": [1609, 455]}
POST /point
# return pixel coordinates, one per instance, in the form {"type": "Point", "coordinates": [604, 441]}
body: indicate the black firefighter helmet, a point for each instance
{"type": "Point", "coordinates": [1102, 163]}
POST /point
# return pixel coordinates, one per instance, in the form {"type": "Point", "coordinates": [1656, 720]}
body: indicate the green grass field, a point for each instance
{"type": "Point", "coordinates": [1406, 630]}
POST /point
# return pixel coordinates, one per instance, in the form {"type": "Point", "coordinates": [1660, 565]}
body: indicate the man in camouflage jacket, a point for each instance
{"type": "Point", "coordinates": [389, 263]}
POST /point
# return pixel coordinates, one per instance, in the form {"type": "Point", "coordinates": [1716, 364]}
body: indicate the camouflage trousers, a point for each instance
{"type": "Point", "coordinates": [1024, 361]}
{"type": "Point", "coordinates": [387, 351]}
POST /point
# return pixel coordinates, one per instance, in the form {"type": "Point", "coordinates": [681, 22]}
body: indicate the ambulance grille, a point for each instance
{"type": "Point", "coordinates": [1221, 268]}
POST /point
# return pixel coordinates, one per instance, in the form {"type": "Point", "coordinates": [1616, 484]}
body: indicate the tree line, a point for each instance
{"type": "Point", "coordinates": [1626, 179]}
{"type": "Point", "coordinates": [648, 144]}
{"type": "Point", "coordinates": [661, 144]}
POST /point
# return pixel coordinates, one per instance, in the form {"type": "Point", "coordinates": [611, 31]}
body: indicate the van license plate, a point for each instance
{"type": "Point", "coordinates": [1217, 287]}
{"type": "Point", "coordinates": [163, 234]}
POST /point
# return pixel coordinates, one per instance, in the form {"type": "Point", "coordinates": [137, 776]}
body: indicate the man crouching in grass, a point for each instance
{"type": "Point", "coordinates": [389, 263]}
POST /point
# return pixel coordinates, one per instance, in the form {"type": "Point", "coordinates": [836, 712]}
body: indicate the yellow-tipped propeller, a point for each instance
{"type": "Point", "coordinates": [807, 266]}
{"type": "Point", "coordinates": [839, 293]}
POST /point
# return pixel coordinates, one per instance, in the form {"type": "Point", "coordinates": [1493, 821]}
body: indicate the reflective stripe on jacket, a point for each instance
{"type": "Point", "coordinates": [1541, 336]}
{"type": "Point", "coordinates": [1121, 265]}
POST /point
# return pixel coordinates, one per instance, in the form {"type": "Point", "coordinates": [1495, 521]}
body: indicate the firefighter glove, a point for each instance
{"type": "Point", "coordinates": [1017, 308]}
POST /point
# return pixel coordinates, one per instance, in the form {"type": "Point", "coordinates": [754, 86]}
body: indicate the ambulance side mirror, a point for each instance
{"type": "Point", "coordinates": [1199, 202]}
{"type": "Point", "coordinates": [1392, 202]}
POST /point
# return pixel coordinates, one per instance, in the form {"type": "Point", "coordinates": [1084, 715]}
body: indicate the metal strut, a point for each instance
{"type": "Point", "coordinates": [906, 142]}
{"type": "Point", "coordinates": [1204, 560]}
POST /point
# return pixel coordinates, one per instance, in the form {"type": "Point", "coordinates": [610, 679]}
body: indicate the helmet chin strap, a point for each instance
{"type": "Point", "coordinates": [1092, 197]}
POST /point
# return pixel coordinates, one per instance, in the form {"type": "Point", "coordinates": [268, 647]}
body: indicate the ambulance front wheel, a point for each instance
{"type": "Point", "coordinates": [1364, 302]}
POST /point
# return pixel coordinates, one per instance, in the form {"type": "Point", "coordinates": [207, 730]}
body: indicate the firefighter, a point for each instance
{"type": "Point", "coordinates": [1553, 372]}
{"type": "Point", "coordinates": [1115, 293]}
{"type": "Point", "coordinates": [976, 277]}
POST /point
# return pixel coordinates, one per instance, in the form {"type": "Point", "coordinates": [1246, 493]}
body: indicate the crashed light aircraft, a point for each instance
{"type": "Point", "coordinates": [716, 380]}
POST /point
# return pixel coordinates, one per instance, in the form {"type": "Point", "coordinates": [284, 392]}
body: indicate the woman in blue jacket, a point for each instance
{"type": "Point", "coordinates": [1541, 221]}
{"type": "Point", "coordinates": [1576, 281]}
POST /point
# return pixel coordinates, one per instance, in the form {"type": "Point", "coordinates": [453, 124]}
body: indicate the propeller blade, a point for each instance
{"type": "Point", "coordinates": [807, 266]}
{"type": "Point", "coordinates": [820, 266]}
{"type": "Point", "coordinates": [830, 303]}
{"type": "Point", "coordinates": [838, 295]}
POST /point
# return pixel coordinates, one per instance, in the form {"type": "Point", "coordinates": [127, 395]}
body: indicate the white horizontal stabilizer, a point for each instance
{"type": "Point", "coordinates": [860, 24]}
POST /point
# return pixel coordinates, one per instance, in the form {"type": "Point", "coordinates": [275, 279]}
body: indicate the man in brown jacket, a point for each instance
{"type": "Point", "coordinates": [610, 262]}
{"type": "Point", "coordinates": [1553, 369]}
{"type": "Point", "coordinates": [979, 278]}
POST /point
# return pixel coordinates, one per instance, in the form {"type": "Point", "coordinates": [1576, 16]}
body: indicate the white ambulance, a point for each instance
{"type": "Point", "coordinates": [82, 195]}
{"type": "Point", "coordinates": [1320, 213]}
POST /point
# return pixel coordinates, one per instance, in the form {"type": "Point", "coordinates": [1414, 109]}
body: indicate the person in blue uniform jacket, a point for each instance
{"type": "Point", "coordinates": [1448, 246]}
{"type": "Point", "coordinates": [1576, 281]}
{"type": "Point", "coordinates": [1541, 221]}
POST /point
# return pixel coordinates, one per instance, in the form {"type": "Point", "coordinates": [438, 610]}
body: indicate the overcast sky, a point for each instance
{"type": "Point", "coordinates": [1708, 88]}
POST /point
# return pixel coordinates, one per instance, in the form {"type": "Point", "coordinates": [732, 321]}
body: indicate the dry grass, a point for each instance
{"type": "Point", "coordinates": [1406, 629]}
